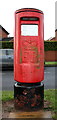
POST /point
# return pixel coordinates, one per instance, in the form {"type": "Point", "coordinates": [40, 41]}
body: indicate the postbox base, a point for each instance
{"type": "Point", "coordinates": [28, 97]}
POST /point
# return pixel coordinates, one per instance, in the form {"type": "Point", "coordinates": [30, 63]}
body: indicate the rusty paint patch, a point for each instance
{"type": "Point", "coordinates": [38, 67]}
{"type": "Point", "coordinates": [34, 48]}
{"type": "Point", "coordinates": [20, 56]}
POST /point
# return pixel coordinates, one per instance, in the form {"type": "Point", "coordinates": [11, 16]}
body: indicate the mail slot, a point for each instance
{"type": "Point", "coordinates": [29, 46]}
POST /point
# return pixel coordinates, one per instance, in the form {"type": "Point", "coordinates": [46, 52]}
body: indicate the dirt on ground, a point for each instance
{"type": "Point", "coordinates": [8, 107]}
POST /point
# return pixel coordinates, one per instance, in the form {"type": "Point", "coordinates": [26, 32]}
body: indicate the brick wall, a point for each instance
{"type": "Point", "coordinates": [50, 56]}
{"type": "Point", "coordinates": [3, 34]}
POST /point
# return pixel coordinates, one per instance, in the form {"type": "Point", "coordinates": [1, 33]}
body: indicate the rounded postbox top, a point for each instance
{"type": "Point", "coordinates": [29, 10]}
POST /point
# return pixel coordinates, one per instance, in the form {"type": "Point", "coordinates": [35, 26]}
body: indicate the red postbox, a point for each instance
{"type": "Point", "coordinates": [29, 46]}
{"type": "Point", "coordinates": [29, 58]}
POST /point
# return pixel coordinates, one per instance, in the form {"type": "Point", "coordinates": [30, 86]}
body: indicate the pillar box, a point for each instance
{"type": "Point", "coordinates": [29, 58]}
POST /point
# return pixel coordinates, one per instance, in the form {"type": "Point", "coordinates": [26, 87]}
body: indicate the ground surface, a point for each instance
{"type": "Point", "coordinates": [8, 107]}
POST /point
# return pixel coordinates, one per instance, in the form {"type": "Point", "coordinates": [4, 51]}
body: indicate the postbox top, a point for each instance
{"type": "Point", "coordinates": [29, 10]}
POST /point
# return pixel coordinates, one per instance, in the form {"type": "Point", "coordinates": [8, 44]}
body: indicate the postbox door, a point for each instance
{"type": "Point", "coordinates": [29, 60]}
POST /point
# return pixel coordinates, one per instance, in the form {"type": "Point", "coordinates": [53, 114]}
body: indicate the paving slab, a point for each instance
{"type": "Point", "coordinates": [34, 114]}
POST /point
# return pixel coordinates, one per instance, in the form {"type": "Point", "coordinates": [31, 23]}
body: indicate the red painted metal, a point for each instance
{"type": "Point", "coordinates": [29, 50]}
